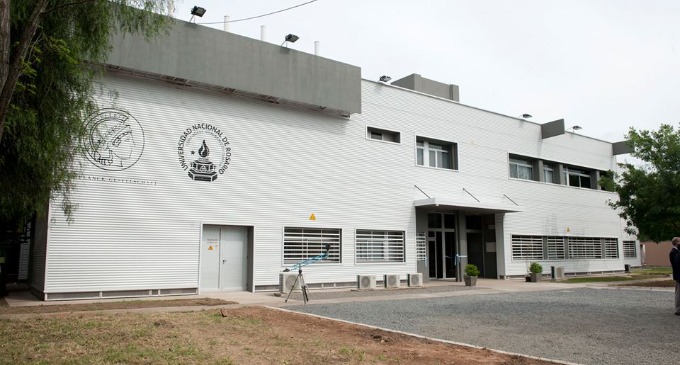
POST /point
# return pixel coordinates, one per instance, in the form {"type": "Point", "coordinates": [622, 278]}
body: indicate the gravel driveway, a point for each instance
{"type": "Point", "coordinates": [583, 325]}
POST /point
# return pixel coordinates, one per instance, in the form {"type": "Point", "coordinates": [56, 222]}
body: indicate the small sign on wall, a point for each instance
{"type": "Point", "coordinates": [491, 247]}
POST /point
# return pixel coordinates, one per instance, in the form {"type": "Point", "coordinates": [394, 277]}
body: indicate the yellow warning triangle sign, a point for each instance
{"type": "Point", "coordinates": [210, 248]}
{"type": "Point", "coordinates": [312, 217]}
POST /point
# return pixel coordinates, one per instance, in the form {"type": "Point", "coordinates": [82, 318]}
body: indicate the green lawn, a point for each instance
{"type": "Point", "coordinates": [643, 273]}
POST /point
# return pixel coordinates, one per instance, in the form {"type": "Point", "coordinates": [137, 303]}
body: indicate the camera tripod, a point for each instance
{"type": "Point", "coordinates": [303, 287]}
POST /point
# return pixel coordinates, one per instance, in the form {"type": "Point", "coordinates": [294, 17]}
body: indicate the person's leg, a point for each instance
{"type": "Point", "coordinates": [677, 297]}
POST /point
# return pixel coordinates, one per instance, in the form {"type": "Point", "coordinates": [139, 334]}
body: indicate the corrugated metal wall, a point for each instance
{"type": "Point", "coordinates": [140, 227]}
{"type": "Point", "coordinates": [39, 253]}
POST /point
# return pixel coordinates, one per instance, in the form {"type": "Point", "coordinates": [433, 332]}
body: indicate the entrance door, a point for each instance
{"type": "Point", "coordinates": [481, 244]}
{"type": "Point", "coordinates": [223, 258]}
{"type": "Point", "coordinates": [441, 245]}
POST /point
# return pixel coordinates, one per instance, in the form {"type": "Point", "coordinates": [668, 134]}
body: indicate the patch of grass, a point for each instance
{"type": "Point", "coordinates": [655, 270]}
{"type": "Point", "coordinates": [352, 353]}
{"type": "Point", "coordinates": [598, 279]}
{"type": "Point", "coordinates": [248, 335]}
{"type": "Point", "coordinates": [652, 284]}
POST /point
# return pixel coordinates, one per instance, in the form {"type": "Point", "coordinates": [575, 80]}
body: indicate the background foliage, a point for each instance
{"type": "Point", "coordinates": [50, 102]}
{"type": "Point", "coordinates": [649, 193]}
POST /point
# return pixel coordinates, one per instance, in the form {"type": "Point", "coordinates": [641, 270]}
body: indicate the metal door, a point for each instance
{"type": "Point", "coordinates": [210, 258]}
{"type": "Point", "coordinates": [232, 255]}
{"type": "Point", "coordinates": [223, 258]}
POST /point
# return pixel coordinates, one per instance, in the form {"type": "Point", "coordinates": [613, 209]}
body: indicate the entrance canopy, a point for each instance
{"type": "Point", "coordinates": [467, 205]}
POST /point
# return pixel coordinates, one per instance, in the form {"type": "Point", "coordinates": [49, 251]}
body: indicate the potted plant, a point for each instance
{"type": "Point", "coordinates": [535, 270]}
{"type": "Point", "coordinates": [471, 274]}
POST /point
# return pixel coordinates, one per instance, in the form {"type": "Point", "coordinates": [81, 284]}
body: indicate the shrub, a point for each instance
{"type": "Point", "coordinates": [471, 270]}
{"type": "Point", "coordinates": [535, 268]}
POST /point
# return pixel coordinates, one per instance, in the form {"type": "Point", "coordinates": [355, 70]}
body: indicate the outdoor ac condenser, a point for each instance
{"type": "Point", "coordinates": [365, 282]}
{"type": "Point", "coordinates": [391, 281]}
{"type": "Point", "coordinates": [415, 280]}
{"type": "Point", "coordinates": [286, 282]}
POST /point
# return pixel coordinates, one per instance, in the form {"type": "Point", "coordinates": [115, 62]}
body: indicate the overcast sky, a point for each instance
{"type": "Point", "coordinates": [605, 65]}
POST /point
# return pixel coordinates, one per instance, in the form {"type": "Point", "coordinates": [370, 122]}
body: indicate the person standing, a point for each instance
{"type": "Point", "coordinates": [674, 256]}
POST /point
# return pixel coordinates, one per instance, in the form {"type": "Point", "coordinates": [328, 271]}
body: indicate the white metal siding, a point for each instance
{"type": "Point", "coordinates": [143, 229]}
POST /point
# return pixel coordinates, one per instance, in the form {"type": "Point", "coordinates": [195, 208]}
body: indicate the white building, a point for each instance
{"type": "Point", "coordinates": [215, 170]}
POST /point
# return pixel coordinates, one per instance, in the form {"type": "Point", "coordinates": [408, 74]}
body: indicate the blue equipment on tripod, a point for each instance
{"type": "Point", "coordinates": [300, 278]}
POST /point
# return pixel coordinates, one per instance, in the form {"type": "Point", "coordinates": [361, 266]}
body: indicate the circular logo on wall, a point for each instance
{"type": "Point", "coordinates": [204, 152]}
{"type": "Point", "coordinates": [115, 140]}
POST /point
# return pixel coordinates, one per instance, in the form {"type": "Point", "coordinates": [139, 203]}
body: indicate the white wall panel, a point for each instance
{"type": "Point", "coordinates": [140, 227]}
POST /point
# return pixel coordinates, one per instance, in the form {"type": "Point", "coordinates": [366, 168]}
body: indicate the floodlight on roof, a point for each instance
{"type": "Point", "coordinates": [385, 78]}
{"type": "Point", "coordinates": [292, 38]}
{"type": "Point", "coordinates": [198, 11]}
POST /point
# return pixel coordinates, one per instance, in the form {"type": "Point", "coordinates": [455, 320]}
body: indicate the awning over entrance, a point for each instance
{"type": "Point", "coordinates": [467, 205]}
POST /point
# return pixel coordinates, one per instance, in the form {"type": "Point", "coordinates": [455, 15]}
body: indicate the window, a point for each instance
{"type": "Point", "coordinates": [304, 243]}
{"type": "Point", "coordinates": [527, 247]}
{"type": "Point", "coordinates": [434, 153]}
{"type": "Point", "coordinates": [611, 248]}
{"type": "Point", "coordinates": [548, 174]}
{"type": "Point", "coordinates": [578, 178]}
{"type": "Point", "coordinates": [563, 248]}
{"type": "Point", "coordinates": [521, 169]}
{"type": "Point", "coordinates": [556, 249]}
{"type": "Point", "coordinates": [584, 248]}
{"type": "Point", "coordinates": [629, 251]}
{"type": "Point", "coordinates": [379, 246]}
{"type": "Point", "coordinates": [383, 135]}
{"type": "Point", "coordinates": [421, 246]}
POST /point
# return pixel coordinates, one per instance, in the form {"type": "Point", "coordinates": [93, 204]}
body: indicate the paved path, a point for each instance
{"type": "Point", "coordinates": [587, 325]}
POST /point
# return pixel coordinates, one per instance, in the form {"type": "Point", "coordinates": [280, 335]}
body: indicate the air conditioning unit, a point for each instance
{"type": "Point", "coordinates": [559, 272]}
{"type": "Point", "coordinates": [365, 282]}
{"type": "Point", "coordinates": [391, 281]}
{"type": "Point", "coordinates": [415, 280]}
{"type": "Point", "coordinates": [287, 281]}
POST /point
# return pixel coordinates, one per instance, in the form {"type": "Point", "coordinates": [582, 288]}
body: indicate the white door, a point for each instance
{"type": "Point", "coordinates": [210, 258]}
{"type": "Point", "coordinates": [223, 258]}
{"type": "Point", "coordinates": [232, 252]}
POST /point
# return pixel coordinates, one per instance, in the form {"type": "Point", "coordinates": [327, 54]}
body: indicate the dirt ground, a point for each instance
{"type": "Point", "coordinates": [243, 335]}
{"type": "Point", "coordinates": [105, 305]}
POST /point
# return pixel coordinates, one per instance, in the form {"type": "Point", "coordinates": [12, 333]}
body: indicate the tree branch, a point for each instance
{"type": "Point", "coordinates": [68, 4]}
{"type": "Point", "coordinates": [4, 40]}
{"type": "Point", "coordinates": [14, 71]}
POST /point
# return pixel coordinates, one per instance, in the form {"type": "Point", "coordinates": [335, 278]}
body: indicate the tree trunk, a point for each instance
{"type": "Point", "coordinates": [4, 41]}
{"type": "Point", "coordinates": [14, 70]}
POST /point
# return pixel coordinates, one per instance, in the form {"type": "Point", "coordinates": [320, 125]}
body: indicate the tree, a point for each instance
{"type": "Point", "coordinates": [51, 52]}
{"type": "Point", "coordinates": [649, 194]}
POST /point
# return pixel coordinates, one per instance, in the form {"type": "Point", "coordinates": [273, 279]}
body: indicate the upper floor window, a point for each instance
{"type": "Point", "coordinates": [548, 174]}
{"type": "Point", "coordinates": [578, 178]}
{"type": "Point", "coordinates": [383, 135]}
{"type": "Point", "coordinates": [434, 153]}
{"type": "Point", "coordinates": [521, 169]}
